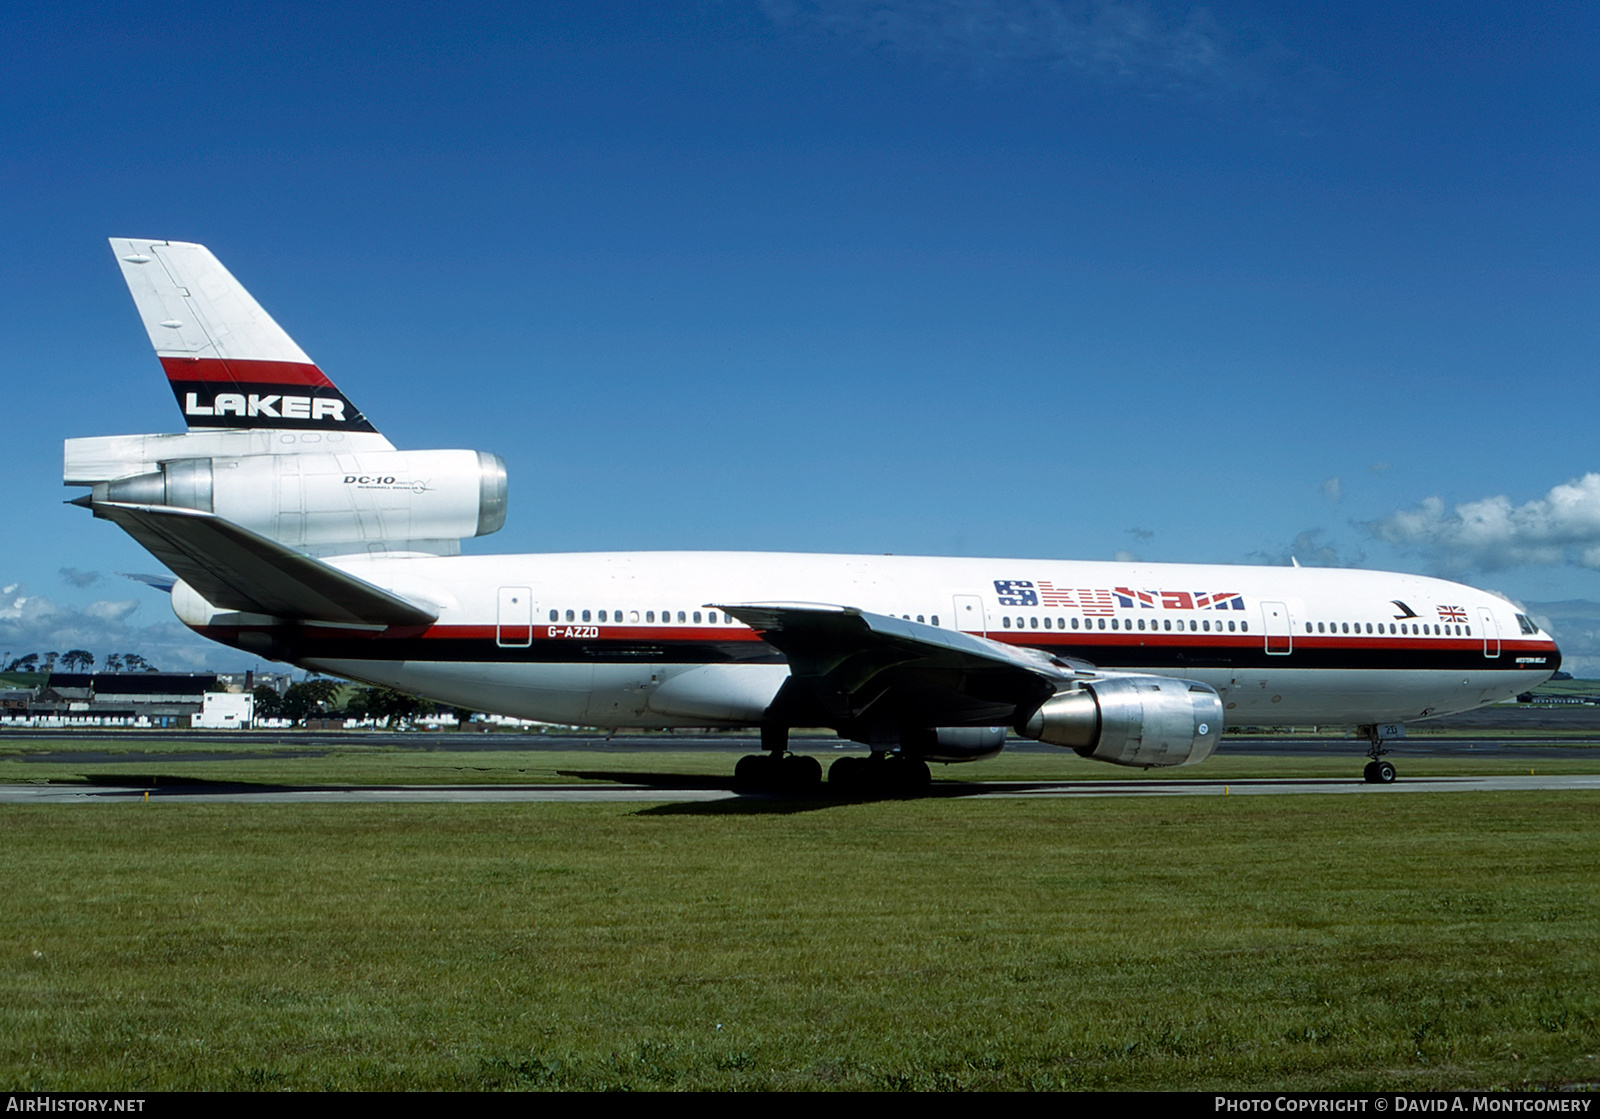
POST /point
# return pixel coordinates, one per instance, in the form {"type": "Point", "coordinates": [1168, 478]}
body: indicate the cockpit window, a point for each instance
{"type": "Point", "coordinates": [1527, 624]}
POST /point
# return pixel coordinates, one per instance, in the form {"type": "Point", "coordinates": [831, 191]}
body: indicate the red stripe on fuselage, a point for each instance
{"type": "Point", "coordinates": [244, 371]}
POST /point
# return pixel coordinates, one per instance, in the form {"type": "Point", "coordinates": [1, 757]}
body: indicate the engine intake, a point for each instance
{"type": "Point", "coordinates": [1133, 720]}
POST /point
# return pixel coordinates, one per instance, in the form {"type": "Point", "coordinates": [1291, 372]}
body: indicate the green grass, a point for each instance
{"type": "Point", "coordinates": [351, 759]}
{"type": "Point", "coordinates": [1383, 942]}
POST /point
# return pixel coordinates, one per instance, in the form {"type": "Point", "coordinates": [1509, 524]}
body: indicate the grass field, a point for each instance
{"type": "Point", "coordinates": [1404, 942]}
{"type": "Point", "coordinates": [358, 759]}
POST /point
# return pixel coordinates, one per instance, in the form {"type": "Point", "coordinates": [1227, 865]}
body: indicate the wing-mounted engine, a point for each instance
{"type": "Point", "coordinates": [326, 503]}
{"type": "Point", "coordinates": [1141, 721]}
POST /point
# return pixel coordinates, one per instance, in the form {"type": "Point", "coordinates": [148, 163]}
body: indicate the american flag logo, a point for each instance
{"type": "Point", "coordinates": [1016, 592]}
{"type": "Point", "coordinates": [1452, 614]}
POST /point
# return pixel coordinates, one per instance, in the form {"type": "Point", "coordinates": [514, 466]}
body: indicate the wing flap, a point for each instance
{"type": "Point", "coordinates": [237, 569]}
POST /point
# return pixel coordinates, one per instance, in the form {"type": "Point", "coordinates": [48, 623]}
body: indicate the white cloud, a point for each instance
{"type": "Point", "coordinates": [1332, 489]}
{"type": "Point", "coordinates": [35, 624]}
{"type": "Point", "coordinates": [1309, 549]}
{"type": "Point", "coordinates": [1492, 534]}
{"type": "Point", "coordinates": [1161, 47]}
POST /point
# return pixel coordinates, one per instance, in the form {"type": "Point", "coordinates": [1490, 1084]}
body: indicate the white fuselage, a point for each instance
{"type": "Point", "coordinates": [632, 639]}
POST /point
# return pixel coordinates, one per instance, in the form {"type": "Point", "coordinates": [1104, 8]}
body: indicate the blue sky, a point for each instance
{"type": "Point", "coordinates": [1222, 283]}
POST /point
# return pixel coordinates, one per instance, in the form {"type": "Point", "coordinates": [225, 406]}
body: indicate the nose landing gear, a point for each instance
{"type": "Point", "coordinates": [1378, 771]}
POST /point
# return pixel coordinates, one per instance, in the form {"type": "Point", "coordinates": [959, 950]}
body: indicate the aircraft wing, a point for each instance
{"type": "Point", "coordinates": [848, 664]}
{"type": "Point", "coordinates": [237, 569]}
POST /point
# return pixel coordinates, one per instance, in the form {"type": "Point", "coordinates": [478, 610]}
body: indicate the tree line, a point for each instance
{"type": "Point", "coordinates": [78, 660]}
{"type": "Point", "coordinates": [318, 698]}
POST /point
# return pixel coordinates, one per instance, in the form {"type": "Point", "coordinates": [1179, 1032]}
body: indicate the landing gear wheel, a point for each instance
{"type": "Point", "coordinates": [801, 772]}
{"type": "Point", "coordinates": [878, 775]}
{"type": "Point", "coordinates": [753, 771]}
{"type": "Point", "coordinates": [777, 773]}
{"type": "Point", "coordinates": [911, 774]}
{"type": "Point", "coordinates": [1382, 773]}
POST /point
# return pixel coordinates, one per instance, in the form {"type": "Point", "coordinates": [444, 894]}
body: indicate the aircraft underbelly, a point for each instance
{"type": "Point", "coordinates": [1290, 695]}
{"type": "Point", "coordinates": [606, 695]}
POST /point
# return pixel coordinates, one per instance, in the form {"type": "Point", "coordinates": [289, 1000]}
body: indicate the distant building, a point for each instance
{"type": "Point", "coordinates": [163, 699]}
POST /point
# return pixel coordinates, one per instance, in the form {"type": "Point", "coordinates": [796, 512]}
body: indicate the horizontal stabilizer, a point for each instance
{"type": "Point", "coordinates": [236, 569]}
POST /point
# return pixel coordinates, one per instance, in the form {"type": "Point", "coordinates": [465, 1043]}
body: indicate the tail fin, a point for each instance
{"type": "Point", "coordinates": [229, 364]}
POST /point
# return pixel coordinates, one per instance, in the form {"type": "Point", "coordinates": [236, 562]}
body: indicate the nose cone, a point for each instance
{"type": "Point", "coordinates": [1555, 658]}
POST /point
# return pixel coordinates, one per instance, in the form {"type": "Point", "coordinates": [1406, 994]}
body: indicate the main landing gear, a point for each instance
{"type": "Point", "coordinates": [1377, 771]}
{"type": "Point", "coordinates": [775, 769]}
{"type": "Point", "coordinates": [878, 774]}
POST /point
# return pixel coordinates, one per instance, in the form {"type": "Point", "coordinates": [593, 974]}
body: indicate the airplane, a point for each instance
{"type": "Point", "coordinates": [295, 531]}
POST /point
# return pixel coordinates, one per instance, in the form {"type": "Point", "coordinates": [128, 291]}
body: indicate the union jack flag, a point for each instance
{"type": "Point", "coordinates": [1129, 598]}
{"type": "Point", "coordinates": [1219, 600]}
{"type": "Point", "coordinates": [1452, 614]}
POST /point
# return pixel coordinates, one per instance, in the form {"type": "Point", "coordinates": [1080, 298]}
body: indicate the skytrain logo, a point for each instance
{"type": "Point", "coordinates": [1100, 601]}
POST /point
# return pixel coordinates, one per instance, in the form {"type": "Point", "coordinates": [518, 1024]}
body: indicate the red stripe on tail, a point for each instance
{"type": "Point", "coordinates": [244, 371]}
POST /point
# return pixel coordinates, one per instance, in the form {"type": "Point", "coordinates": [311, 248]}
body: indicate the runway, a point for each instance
{"type": "Point", "coordinates": [680, 791]}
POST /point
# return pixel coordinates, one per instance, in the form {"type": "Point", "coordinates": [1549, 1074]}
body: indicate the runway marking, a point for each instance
{"type": "Point", "coordinates": [581, 794]}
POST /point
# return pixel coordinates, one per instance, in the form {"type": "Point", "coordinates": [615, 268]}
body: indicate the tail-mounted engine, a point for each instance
{"type": "Point", "coordinates": [327, 503]}
{"type": "Point", "coordinates": [1132, 720]}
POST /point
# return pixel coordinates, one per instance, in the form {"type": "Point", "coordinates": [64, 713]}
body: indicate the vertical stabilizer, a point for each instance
{"type": "Point", "coordinates": [230, 365]}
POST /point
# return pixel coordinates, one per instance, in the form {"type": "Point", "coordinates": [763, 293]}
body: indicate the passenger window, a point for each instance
{"type": "Point", "coordinates": [1230, 627]}
{"type": "Point", "coordinates": [919, 617]}
{"type": "Point", "coordinates": [1006, 622]}
{"type": "Point", "coordinates": [712, 617]}
{"type": "Point", "coordinates": [586, 615]}
{"type": "Point", "coordinates": [649, 615]}
{"type": "Point", "coordinates": [555, 615]}
{"type": "Point", "coordinates": [1074, 623]}
{"type": "Point", "coordinates": [570, 617]}
{"type": "Point", "coordinates": [936, 619]}
{"type": "Point", "coordinates": [633, 615]}
{"type": "Point", "coordinates": [1102, 623]}
{"type": "Point", "coordinates": [697, 617]}
{"type": "Point", "coordinates": [1244, 627]}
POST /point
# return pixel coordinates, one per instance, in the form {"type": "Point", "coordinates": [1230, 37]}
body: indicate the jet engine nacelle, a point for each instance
{"type": "Point", "coordinates": [954, 744]}
{"type": "Point", "coordinates": [324, 503]}
{"type": "Point", "coordinates": [1133, 720]}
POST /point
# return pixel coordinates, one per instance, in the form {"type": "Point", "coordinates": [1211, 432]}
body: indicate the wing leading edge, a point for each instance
{"type": "Point", "coordinates": [850, 668]}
